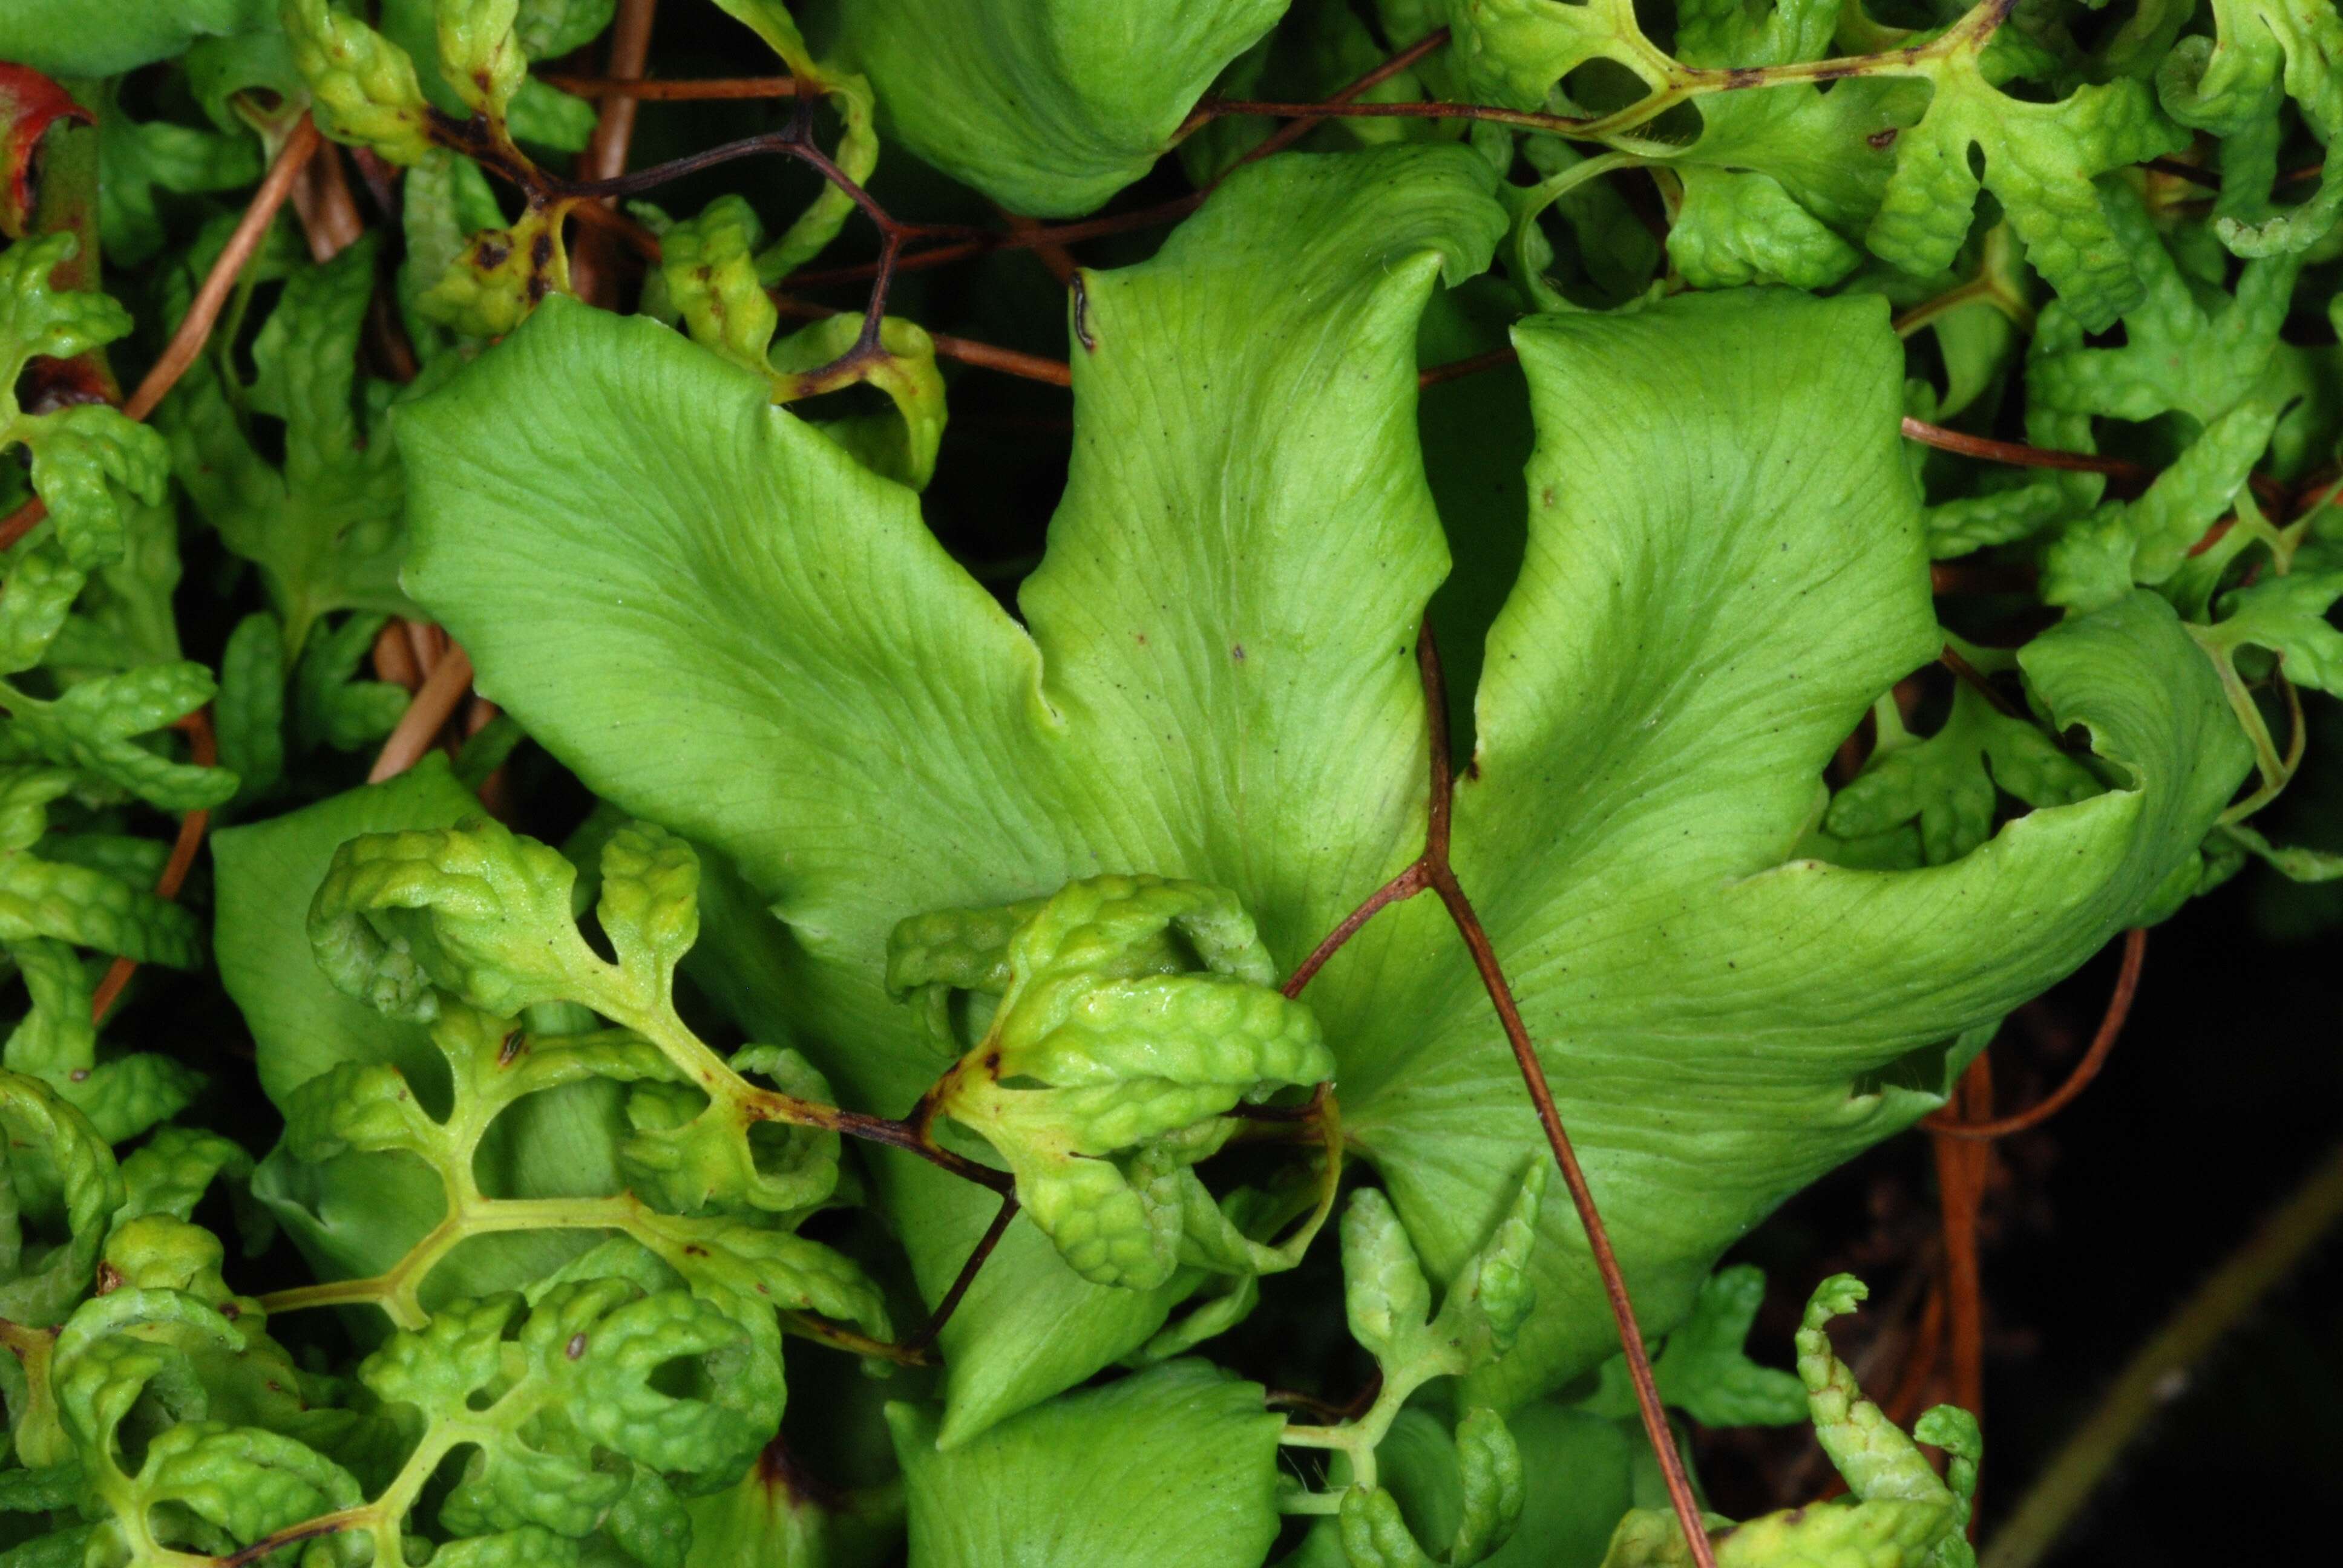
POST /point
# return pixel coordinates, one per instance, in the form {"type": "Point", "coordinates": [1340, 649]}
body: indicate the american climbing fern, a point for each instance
{"type": "Point", "coordinates": [846, 759]}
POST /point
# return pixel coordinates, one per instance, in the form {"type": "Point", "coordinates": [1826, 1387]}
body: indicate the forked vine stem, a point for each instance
{"type": "Point", "coordinates": [2111, 1023]}
{"type": "Point", "coordinates": [1432, 871]}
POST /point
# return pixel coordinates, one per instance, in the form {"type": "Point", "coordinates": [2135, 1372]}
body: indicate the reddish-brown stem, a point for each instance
{"type": "Point", "coordinates": [821, 1331]}
{"type": "Point", "coordinates": [614, 127]}
{"type": "Point", "coordinates": [655, 90]}
{"type": "Point", "coordinates": [911, 1135]}
{"type": "Point", "coordinates": [637, 238]}
{"type": "Point", "coordinates": [2019, 454]}
{"type": "Point", "coordinates": [426, 640]}
{"type": "Point", "coordinates": [1432, 870]}
{"type": "Point", "coordinates": [1456, 369]}
{"type": "Point", "coordinates": [1059, 234]}
{"type": "Point", "coordinates": [1961, 1172]}
{"type": "Point", "coordinates": [205, 748]}
{"type": "Point", "coordinates": [2111, 1023]}
{"type": "Point", "coordinates": [1008, 361]}
{"type": "Point", "coordinates": [1154, 217]}
{"type": "Point", "coordinates": [1981, 577]}
{"type": "Point", "coordinates": [322, 201]}
{"type": "Point", "coordinates": [196, 328]}
{"type": "Point", "coordinates": [1951, 659]}
{"type": "Point", "coordinates": [22, 521]}
{"type": "Point", "coordinates": [1434, 109]}
{"type": "Point", "coordinates": [1304, 124]}
{"type": "Point", "coordinates": [2312, 495]}
{"type": "Point", "coordinates": [434, 702]}
{"type": "Point", "coordinates": [965, 1278]}
{"type": "Point", "coordinates": [594, 263]}
{"type": "Point", "coordinates": [967, 350]}
{"type": "Point", "coordinates": [394, 659]}
{"type": "Point", "coordinates": [1406, 884]}
{"type": "Point", "coordinates": [307, 1530]}
{"type": "Point", "coordinates": [1451, 896]}
{"type": "Point", "coordinates": [1052, 254]}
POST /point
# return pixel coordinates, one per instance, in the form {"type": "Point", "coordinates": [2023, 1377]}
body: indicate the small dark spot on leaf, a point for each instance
{"type": "Point", "coordinates": [109, 1278]}
{"type": "Point", "coordinates": [78, 1074]}
{"type": "Point", "coordinates": [1744, 76]}
{"type": "Point", "coordinates": [694, 1249]}
{"type": "Point", "coordinates": [510, 1048]}
{"type": "Point", "coordinates": [1236, 651]}
{"type": "Point", "coordinates": [1880, 141]}
{"type": "Point", "coordinates": [488, 254]}
{"type": "Point", "coordinates": [576, 1347]}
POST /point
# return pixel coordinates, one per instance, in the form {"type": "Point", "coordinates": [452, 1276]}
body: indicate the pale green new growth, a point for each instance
{"type": "Point", "coordinates": [1899, 1513]}
{"type": "Point", "coordinates": [1111, 1063]}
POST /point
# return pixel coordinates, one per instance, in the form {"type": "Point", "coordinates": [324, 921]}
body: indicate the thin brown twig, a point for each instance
{"type": "Point", "coordinates": [1951, 659]}
{"type": "Point", "coordinates": [1406, 886]}
{"type": "Point", "coordinates": [2312, 495]}
{"type": "Point", "coordinates": [1008, 361]}
{"type": "Point", "coordinates": [1050, 253]}
{"type": "Point", "coordinates": [636, 237]}
{"type": "Point", "coordinates": [22, 521]}
{"type": "Point", "coordinates": [2111, 1023]}
{"type": "Point", "coordinates": [1431, 109]}
{"type": "Point", "coordinates": [614, 127]}
{"type": "Point", "coordinates": [928, 1332]}
{"type": "Point", "coordinates": [658, 90]}
{"type": "Point", "coordinates": [434, 703]}
{"type": "Point", "coordinates": [323, 202]}
{"type": "Point", "coordinates": [293, 1535]}
{"type": "Point", "coordinates": [593, 265]}
{"type": "Point", "coordinates": [1460, 912]}
{"type": "Point", "coordinates": [966, 350]}
{"type": "Point", "coordinates": [394, 659]}
{"type": "Point", "coordinates": [1154, 217]}
{"type": "Point", "coordinates": [1982, 576]}
{"type": "Point", "coordinates": [2020, 455]}
{"type": "Point", "coordinates": [203, 746]}
{"type": "Point", "coordinates": [1456, 369]}
{"type": "Point", "coordinates": [186, 344]}
{"type": "Point", "coordinates": [837, 1336]}
{"type": "Point", "coordinates": [196, 328]}
{"type": "Point", "coordinates": [1962, 1171]}
{"type": "Point", "coordinates": [961, 250]}
{"type": "Point", "coordinates": [426, 641]}
{"type": "Point", "coordinates": [1432, 871]}
{"type": "Point", "coordinates": [1302, 125]}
